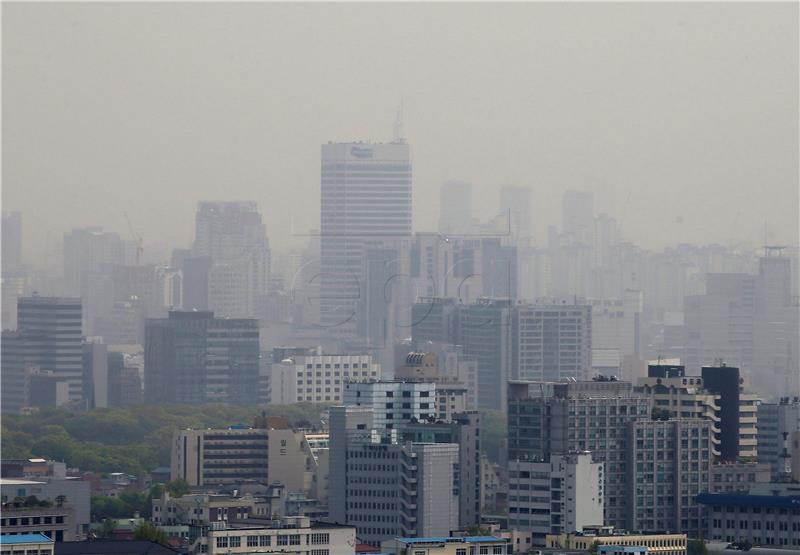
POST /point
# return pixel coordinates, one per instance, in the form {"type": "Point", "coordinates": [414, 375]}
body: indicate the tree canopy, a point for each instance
{"type": "Point", "coordinates": [132, 440]}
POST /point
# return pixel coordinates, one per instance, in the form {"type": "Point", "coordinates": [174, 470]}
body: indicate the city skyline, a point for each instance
{"type": "Point", "coordinates": [658, 121]}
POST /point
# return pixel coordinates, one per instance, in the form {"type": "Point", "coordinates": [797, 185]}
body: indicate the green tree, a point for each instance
{"type": "Point", "coordinates": [107, 529]}
{"type": "Point", "coordinates": [477, 530]}
{"type": "Point", "coordinates": [697, 547]}
{"type": "Point", "coordinates": [178, 487]}
{"type": "Point", "coordinates": [148, 531]}
{"type": "Point", "coordinates": [594, 547]}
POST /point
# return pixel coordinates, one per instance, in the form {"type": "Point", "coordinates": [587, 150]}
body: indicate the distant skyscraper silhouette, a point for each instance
{"type": "Point", "coordinates": [455, 207]}
{"type": "Point", "coordinates": [365, 193]}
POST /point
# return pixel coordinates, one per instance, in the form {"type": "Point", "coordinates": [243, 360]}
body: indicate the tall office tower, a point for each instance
{"type": "Point", "coordinates": [515, 203]}
{"type": "Point", "coordinates": [389, 489]}
{"type": "Point", "coordinates": [551, 342]}
{"type": "Point", "coordinates": [616, 331]}
{"type": "Point", "coordinates": [233, 236]}
{"type": "Point", "coordinates": [195, 358]}
{"type": "Point", "coordinates": [443, 266]}
{"type": "Point", "coordinates": [434, 319]}
{"type": "Point", "coordinates": [365, 194]}
{"type": "Point", "coordinates": [669, 464]}
{"type": "Point", "coordinates": [500, 269]}
{"type": "Point", "coordinates": [737, 412]}
{"type": "Point", "coordinates": [12, 372]}
{"type": "Point", "coordinates": [557, 495]}
{"type": "Point", "coordinates": [719, 395]}
{"type": "Point", "coordinates": [776, 327]}
{"type": "Point", "coordinates": [558, 418]}
{"type": "Point", "coordinates": [95, 374]}
{"type": "Point", "coordinates": [462, 429]}
{"type": "Point", "coordinates": [386, 293]}
{"type": "Point", "coordinates": [485, 331]}
{"type": "Point", "coordinates": [776, 424]}
{"type": "Point", "coordinates": [393, 404]}
{"type": "Point", "coordinates": [577, 216]}
{"type": "Point", "coordinates": [719, 324]}
{"type": "Point", "coordinates": [52, 331]}
{"type": "Point", "coordinates": [89, 251]}
{"type": "Point", "coordinates": [11, 243]}
{"type": "Point", "coordinates": [455, 208]}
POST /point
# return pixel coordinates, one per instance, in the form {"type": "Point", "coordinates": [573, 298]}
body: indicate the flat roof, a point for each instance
{"type": "Point", "coordinates": [746, 500]}
{"type": "Point", "coordinates": [24, 538]}
{"type": "Point", "coordinates": [13, 482]}
{"type": "Point", "coordinates": [447, 539]}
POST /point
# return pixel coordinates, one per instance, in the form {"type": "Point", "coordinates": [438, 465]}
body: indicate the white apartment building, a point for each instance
{"type": "Point", "coordinates": [318, 378]}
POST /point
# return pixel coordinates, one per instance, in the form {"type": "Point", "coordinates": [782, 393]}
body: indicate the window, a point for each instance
{"type": "Point", "coordinates": [235, 541]}
{"type": "Point", "coordinates": [222, 541]}
{"type": "Point", "coordinates": [484, 550]}
{"type": "Point", "coordinates": [320, 538]}
{"type": "Point", "coordinates": [461, 552]}
{"type": "Point", "coordinates": [283, 539]}
{"type": "Point", "coordinates": [319, 552]}
{"type": "Point", "coordinates": [294, 539]}
{"type": "Point", "coordinates": [265, 541]}
{"type": "Point", "coordinates": [252, 541]}
{"type": "Point", "coordinates": [497, 550]}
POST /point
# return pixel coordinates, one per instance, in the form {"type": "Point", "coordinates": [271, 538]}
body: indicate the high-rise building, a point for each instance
{"type": "Point", "coordinates": [393, 403]}
{"type": "Point", "coordinates": [737, 411]}
{"type": "Point", "coordinates": [515, 203]}
{"type": "Point", "coordinates": [551, 342]}
{"type": "Point", "coordinates": [733, 414]}
{"type": "Point", "coordinates": [365, 193]}
{"type": "Point", "coordinates": [388, 489]}
{"type": "Point", "coordinates": [124, 382]}
{"type": "Point", "coordinates": [776, 424]}
{"type": "Point", "coordinates": [455, 208]}
{"type": "Point", "coordinates": [577, 216]}
{"type": "Point", "coordinates": [95, 374]}
{"type": "Point", "coordinates": [233, 237]}
{"type": "Point", "coordinates": [11, 243]}
{"type": "Point", "coordinates": [669, 464]}
{"type": "Point", "coordinates": [485, 331]}
{"type": "Point", "coordinates": [51, 328]}
{"type": "Point", "coordinates": [557, 418]}
{"type": "Point", "coordinates": [12, 372]}
{"type": "Point", "coordinates": [557, 495]}
{"type": "Point", "coordinates": [91, 250]}
{"type": "Point", "coordinates": [317, 378]}
{"type": "Point", "coordinates": [195, 358]}
{"type": "Point", "coordinates": [462, 429]}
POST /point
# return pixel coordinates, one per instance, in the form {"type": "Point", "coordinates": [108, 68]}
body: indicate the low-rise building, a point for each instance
{"type": "Point", "coordinates": [622, 550]}
{"type": "Point", "coordinates": [69, 497]}
{"type": "Point", "coordinates": [264, 454]}
{"type": "Point", "coordinates": [767, 515]}
{"type": "Point", "coordinates": [738, 475]}
{"type": "Point", "coordinates": [467, 545]}
{"type": "Point", "coordinates": [57, 523]}
{"type": "Point", "coordinates": [289, 535]}
{"type": "Point", "coordinates": [26, 544]}
{"type": "Point", "coordinates": [663, 544]}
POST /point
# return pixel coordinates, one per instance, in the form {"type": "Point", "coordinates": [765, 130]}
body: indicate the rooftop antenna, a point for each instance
{"type": "Point", "coordinates": [398, 125]}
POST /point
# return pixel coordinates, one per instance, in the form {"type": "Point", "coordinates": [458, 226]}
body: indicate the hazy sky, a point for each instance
{"type": "Point", "coordinates": [683, 116]}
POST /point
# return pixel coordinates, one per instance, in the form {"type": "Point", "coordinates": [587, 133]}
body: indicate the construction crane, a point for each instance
{"type": "Point", "coordinates": [136, 238]}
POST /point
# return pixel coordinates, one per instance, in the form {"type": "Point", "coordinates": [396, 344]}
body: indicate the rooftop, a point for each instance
{"type": "Point", "coordinates": [443, 539]}
{"type": "Point", "coordinates": [24, 538]}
